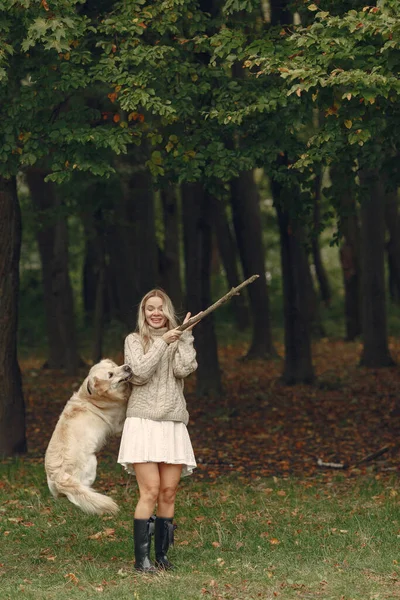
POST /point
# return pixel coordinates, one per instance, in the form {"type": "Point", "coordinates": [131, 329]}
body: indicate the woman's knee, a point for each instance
{"type": "Point", "coordinates": [149, 493]}
{"type": "Point", "coordinates": [167, 494]}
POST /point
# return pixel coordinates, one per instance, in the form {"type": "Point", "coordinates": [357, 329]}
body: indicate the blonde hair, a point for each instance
{"type": "Point", "coordinates": [142, 327]}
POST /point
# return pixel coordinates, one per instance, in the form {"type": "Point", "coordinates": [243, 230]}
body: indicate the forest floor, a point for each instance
{"type": "Point", "coordinates": [261, 427]}
{"type": "Point", "coordinates": [259, 519]}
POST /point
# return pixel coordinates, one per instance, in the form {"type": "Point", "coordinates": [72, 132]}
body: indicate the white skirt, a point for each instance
{"type": "Point", "coordinates": [145, 440]}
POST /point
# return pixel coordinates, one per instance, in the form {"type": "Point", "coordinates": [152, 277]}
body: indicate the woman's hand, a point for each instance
{"type": "Point", "coordinates": [172, 336]}
{"type": "Point", "coordinates": [187, 319]}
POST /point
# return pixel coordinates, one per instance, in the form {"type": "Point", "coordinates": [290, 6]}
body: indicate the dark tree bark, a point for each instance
{"type": "Point", "coordinates": [100, 303]}
{"type": "Point", "coordinates": [280, 13]}
{"type": "Point", "coordinates": [392, 220]}
{"type": "Point", "coordinates": [52, 237]}
{"type": "Point", "coordinates": [247, 223]}
{"type": "Point", "coordinates": [349, 251]}
{"type": "Point", "coordinates": [297, 288]}
{"type": "Point", "coordinates": [313, 303]}
{"type": "Point", "coordinates": [375, 350]}
{"type": "Point", "coordinates": [131, 240]}
{"type": "Point", "coordinates": [197, 244]}
{"type": "Point", "coordinates": [228, 252]}
{"type": "Point", "coordinates": [95, 293]}
{"type": "Point", "coordinates": [170, 271]}
{"type": "Point", "coordinates": [320, 271]}
{"type": "Point", "coordinates": [99, 311]}
{"type": "Point", "coordinates": [95, 264]}
{"type": "Point", "coordinates": [89, 282]}
{"type": "Point", "coordinates": [298, 366]}
{"type": "Point", "coordinates": [12, 407]}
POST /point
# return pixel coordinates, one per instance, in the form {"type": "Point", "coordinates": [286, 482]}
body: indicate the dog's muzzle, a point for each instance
{"type": "Point", "coordinates": [129, 374]}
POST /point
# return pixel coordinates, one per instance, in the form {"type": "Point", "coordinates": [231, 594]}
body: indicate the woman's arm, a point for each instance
{"type": "Point", "coordinates": [143, 365]}
{"type": "Point", "coordinates": [184, 361]}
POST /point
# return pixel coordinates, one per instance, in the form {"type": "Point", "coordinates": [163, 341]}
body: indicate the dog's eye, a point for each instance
{"type": "Point", "coordinates": [110, 375]}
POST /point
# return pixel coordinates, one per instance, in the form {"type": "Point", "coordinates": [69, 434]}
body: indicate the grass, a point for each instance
{"type": "Point", "coordinates": [271, 538]}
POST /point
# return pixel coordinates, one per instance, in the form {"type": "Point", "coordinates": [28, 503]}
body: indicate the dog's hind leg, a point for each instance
{"type": "Point", "coordinates": [88, 474]}
{"type": "Point", "coordinates": [53, 489]}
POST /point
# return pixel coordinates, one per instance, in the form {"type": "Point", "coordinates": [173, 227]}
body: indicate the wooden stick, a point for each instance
{"type": "Point", "coordinates": [372, 456]}
{"type": "Point", "coordinates": [233, 292]}
{"type": "Point", "coordinates": [365, 459]}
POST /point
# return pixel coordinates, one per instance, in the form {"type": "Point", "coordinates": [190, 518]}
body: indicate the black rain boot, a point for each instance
{"type": "Point", "coordinates": [163, 539]}
{"type": "Point", "coordinates": [142, 532]}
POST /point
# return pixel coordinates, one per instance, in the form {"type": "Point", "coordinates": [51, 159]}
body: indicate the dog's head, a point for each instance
{"type": "Point", "coordinates": [108, 381]}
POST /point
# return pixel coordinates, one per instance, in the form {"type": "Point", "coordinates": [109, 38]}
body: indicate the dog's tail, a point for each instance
{"type": "Point", "coordinates": [86, 498]}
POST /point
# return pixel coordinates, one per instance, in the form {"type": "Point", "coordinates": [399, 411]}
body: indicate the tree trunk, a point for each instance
{"type": "Point", "coordinates": [247, 223]}
{"type": "Point", "coordinates": [313, 303]}
{"type": "Point", "coordinates": [297, 316]}
{"type": "Point", "coordinates": [392, 220]}
{"type": "Point", "coordinates": [375, 351]}
{"type": "Point", "coordinates": [320, 271]}
{"type": "Point", "coordinates": [131, 240]}
{"type": "Point", "coordinates": [170, 272]}
{"type": "Point", "coordinates": [280, 12]}
{"type": "Point", "coordinates": [96, 300]}
{"type": "Point", "coordinates": [12, 407]}
{"type": "Point", "coordinates": [228, 253]}
{"type": "Point", "coordinates": [97, 212]}
{"type": "Point", "coordinates": [98, 317]}
{"type": "Point", "coordinates": [52, 239]}
{"type": "Point", "coordinates": [295, 268]}
{"type": "Point", "coordinates": [197, 244]}
{"type": "Point", "coordinates": [90, 269]}
{"type": "Point", "coordinates": [349, 252]}
{"type": "Point", "coordinates": [100, 304]}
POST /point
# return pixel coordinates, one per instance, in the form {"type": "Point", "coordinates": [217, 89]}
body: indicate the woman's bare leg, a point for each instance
{"type": "Point", "coordinates": [148, 478]}
{"type": "Point", "coordinates": [169, 481]}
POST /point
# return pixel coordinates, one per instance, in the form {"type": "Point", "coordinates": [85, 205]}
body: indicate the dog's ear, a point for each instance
{"type": "Point", "coordinates": [100, 385]}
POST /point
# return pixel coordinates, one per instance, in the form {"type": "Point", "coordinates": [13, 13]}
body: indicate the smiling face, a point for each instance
{"type": "Point", "coordinates": [153, 312]}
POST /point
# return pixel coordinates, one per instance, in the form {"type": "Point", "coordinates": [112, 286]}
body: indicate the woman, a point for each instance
{"type": "Point", "coordinates": [155, 444]}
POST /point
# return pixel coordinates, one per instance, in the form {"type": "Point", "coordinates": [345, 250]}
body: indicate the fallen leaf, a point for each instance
{"type": "Point", "coordinates": [108, 532]}
{"type": "Point", "coordinates": [72, 577]}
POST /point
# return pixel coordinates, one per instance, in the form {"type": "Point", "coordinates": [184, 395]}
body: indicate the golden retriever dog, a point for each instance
{"type": "Point", "coordinates": [93, 413]}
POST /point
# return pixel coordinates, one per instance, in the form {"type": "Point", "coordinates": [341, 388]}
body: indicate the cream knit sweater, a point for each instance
{"type": "Point", "coordinates": [158, 376]}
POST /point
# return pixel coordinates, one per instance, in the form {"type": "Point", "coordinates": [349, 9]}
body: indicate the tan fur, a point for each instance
{"type": "Point", "coordinates": [93, 413]}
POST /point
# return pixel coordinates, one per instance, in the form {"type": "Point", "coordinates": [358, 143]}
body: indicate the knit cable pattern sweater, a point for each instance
{"type": "Point", "coordinates": [158, 376]}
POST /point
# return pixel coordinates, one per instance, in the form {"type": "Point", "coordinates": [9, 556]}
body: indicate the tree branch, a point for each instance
{"type": "Point", "coordinates": [233, 292]}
